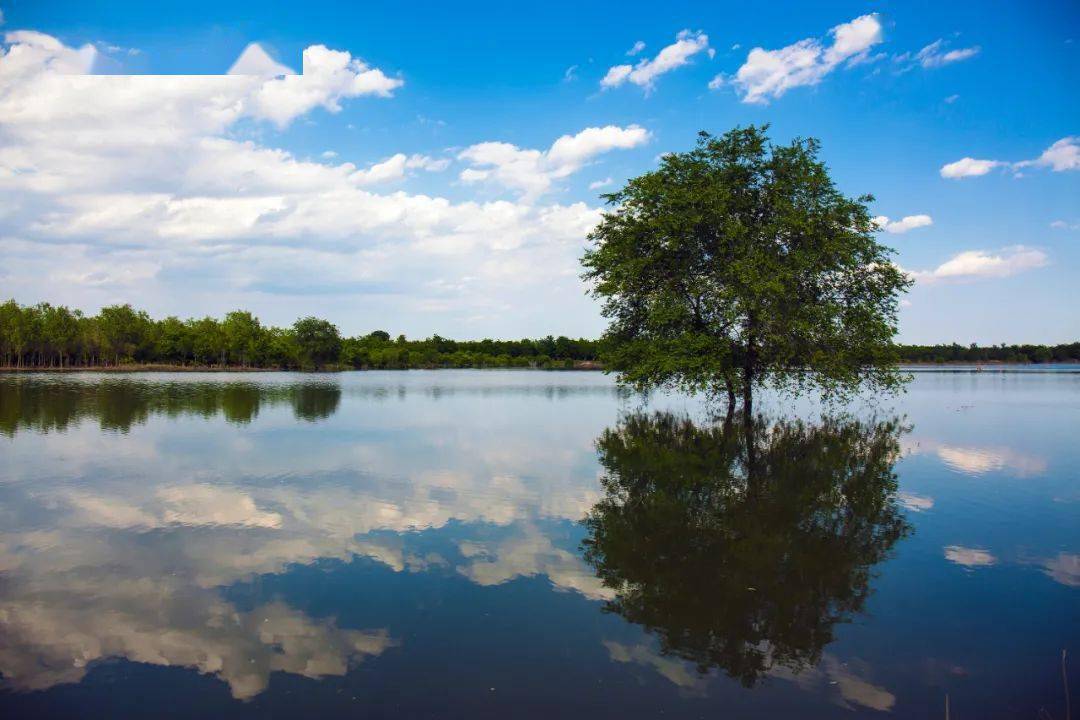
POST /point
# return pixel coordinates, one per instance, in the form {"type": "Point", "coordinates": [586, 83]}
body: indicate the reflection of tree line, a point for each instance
{"type": "Point", "coordinates": [120, 404]}
{"type": "Point", "coordinates": [439, 392]}
{"type": "Point", "coordinates": [741, 545]}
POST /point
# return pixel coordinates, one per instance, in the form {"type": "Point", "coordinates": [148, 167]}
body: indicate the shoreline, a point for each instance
{"type": "Point", "coordinates": [589, 365]}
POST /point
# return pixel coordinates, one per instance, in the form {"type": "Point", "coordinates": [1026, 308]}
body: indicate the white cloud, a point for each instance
{"type": "Point", "coordinates": [1063, 225]}
{"type": "Point", "coordinates": [31, 51]}
{"type": "Point", "coordinates": [600, 183]}
{"type": "Point", "coordinates": [638, 47]}
{"type": "Point", "coordinates": [532, 172]}
{"type": "Point", "coordinates": [951, 99]}
{"type": "Point", "coordinates": [328, 154]}
{"type": "Point", "coordinates": [899, 227]}
{"type": "Point", "coordinates": [768, 74]}
{"type": "Point", "coordinates": [329, 77]}
{"type": "Point", "coordinates": [394, 168]}
{"type": "Point", "coordinates": [254, 60]}
{"type": "Point", "coordinates": [115, 187]}
{"type": "Point", "coordinates": [969, 557]}
{"type": "Point", "coordinates": [644, 74]}
{"type": "Point", "coordinates": [935, 55]}
{"type": "Point", "coordinates": [1062, 156]}
{"type": "Point", "coordinates": [980, 264]}
{"type": "Point", "coordinates": [969, 167]}
{"type": "Point", "coordinates": [616, 75]}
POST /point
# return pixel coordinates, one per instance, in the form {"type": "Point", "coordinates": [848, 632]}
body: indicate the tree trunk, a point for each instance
{"type": "Point", "coordinates": [748, 379]}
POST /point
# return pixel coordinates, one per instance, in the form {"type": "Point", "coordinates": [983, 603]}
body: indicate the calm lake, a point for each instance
{"type": "Point", "coordinates": [534, 544]}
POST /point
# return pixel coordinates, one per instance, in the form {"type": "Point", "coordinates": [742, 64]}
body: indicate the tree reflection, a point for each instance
{"type": "Point", "coordinates": [29, 403]}
{"type": "Point", "coordinates": [314, 401]}
{"type": "Point", "coordinates": [741, 545]}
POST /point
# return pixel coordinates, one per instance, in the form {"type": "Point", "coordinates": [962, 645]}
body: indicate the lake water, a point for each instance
{"type": "Point", "coordinates": [534, 544]}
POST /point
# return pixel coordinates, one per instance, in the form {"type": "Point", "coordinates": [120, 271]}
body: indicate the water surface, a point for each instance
{"type": "Point", "coordinates": [533, 544]}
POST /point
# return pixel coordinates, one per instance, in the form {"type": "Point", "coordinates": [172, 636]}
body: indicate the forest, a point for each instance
{"type": "Point", "coordinates": [46, 336]}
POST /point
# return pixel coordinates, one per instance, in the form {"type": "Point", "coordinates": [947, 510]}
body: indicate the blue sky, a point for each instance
{"type": "Point", "coordinates": [128, 189]}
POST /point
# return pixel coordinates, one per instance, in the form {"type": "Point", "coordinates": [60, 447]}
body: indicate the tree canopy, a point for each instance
{"type": "Point", "coordinates": [740, 263]}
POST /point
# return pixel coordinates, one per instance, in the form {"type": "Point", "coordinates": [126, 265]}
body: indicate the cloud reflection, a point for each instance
{"type": "Point", "coordinates": [1063, 568]}
{"type": "Point", "coordinates": [122, 544]}
{"type": "Point", "coordinates": [54, 630]}
{"type": "Point", "coordinates": [969, 557]}
{"type": "Point", "coordinates": [972, 460]}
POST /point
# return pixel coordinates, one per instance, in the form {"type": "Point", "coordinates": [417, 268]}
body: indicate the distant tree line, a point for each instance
{"type": "Point", "coordinates": [54, 336]}
{"type": "Point", "coordinates": [990, 353]}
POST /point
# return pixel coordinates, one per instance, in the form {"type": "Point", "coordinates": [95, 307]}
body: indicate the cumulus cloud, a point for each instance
{"type": "Point", "coordinates": [396, 168]}
{"type": "Point", "coordinates": [329, 77]}
{"type": "Point", "coordinates": [147, 180]}
{"type": "Point", "coordinates": [768, 74]}
{"type": "Point", "coordinates": [638, 47]}
{"type": "Point", "coordinates": [980, 264]}
{"type": "Point", "coordinates": [969, 167]}
{"type": "Point", "coordinates": [532, 172]}
{"type": "Point", "coordinates": [903, 225]}
{"type": "Point", "coordinates": [644, 74]}
{"type": "Point", "coordinates": [1062, 156]}
{"type": "Point", "coordinates": [1063, 225]}
{"type": "Point", "coordinates": [596, 185]}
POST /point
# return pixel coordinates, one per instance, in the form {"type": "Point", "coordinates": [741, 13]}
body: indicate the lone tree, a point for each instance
{"type": "Point", "coordinates": [739, 264]}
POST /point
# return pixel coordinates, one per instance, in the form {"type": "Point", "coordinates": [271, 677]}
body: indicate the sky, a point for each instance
{"type": "Point", "coordinates": [437, 169]}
